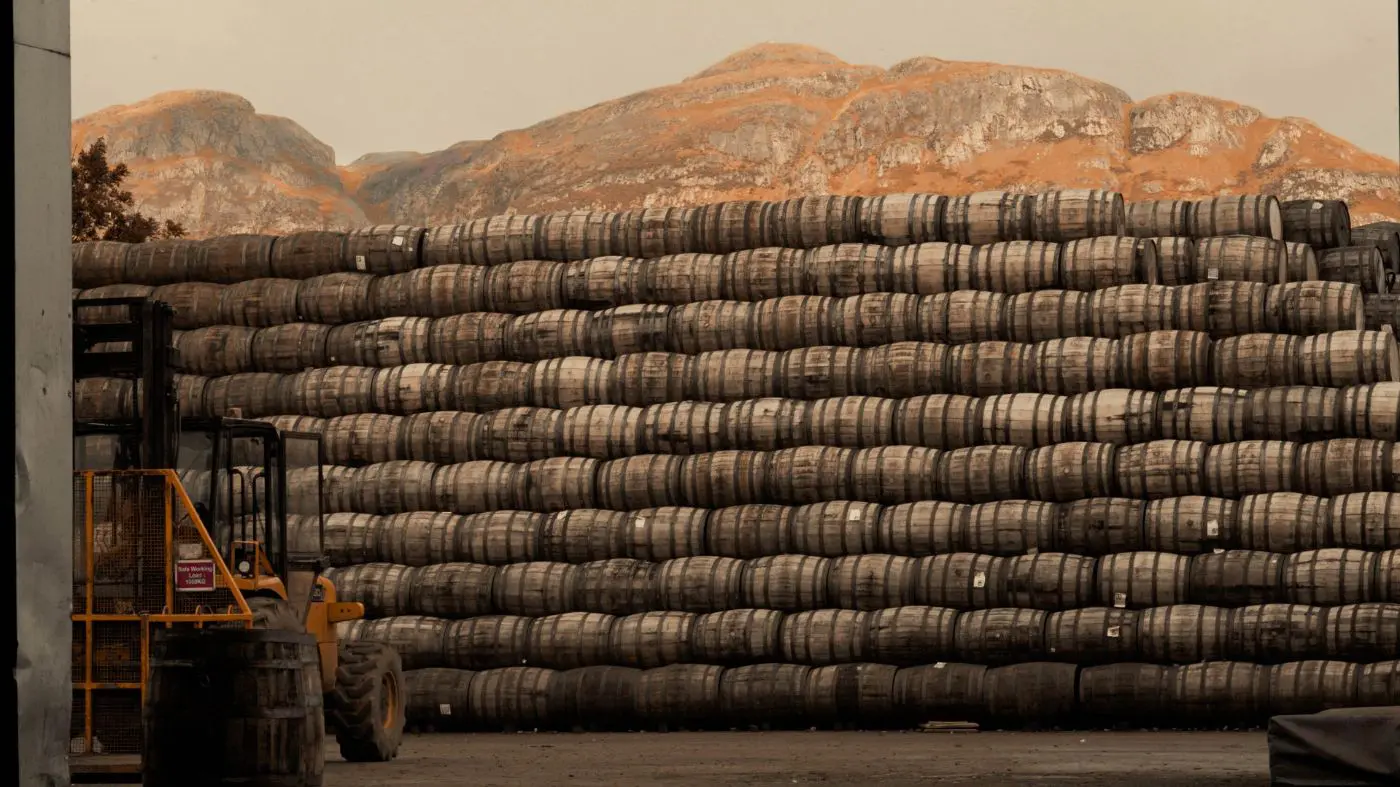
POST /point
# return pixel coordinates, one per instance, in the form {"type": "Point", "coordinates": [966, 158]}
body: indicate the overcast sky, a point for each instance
{"type": "Point", "coordinates": [381, 75]}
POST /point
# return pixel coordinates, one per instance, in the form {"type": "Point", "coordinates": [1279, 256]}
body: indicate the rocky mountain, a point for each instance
{"type": "Point", "coordinates": [769, 122]}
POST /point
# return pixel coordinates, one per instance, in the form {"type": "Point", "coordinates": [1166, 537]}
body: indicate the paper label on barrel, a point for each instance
{"type": "Point", "coordinates": [360, 262]}
{"type": "Point", "coordinates": [641, 522]}
{"type": "Point", "coordinates": [1120, 599]}
{"type": "Point", "coordinates": [853, 515]}
{"type": "Point", "coordinates": [1212, 273]}
{"type": "Point", "coordinates": [1212, 528]}
{"type": "Point", "coordinates": [939, 665]}
{"type": "Point", "coordinates": [979, 579]}
{"type": "Point", "coordinates": [397, 241]}
{"type": "Point", "coordinates": [1114, 631]}
{"type": "Point", "coordinates": [1218, 551]}
{"type": "Point", "coordinates": [445, 709]}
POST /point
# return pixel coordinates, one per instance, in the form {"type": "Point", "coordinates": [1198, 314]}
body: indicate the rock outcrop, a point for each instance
{"type": "Point", "coordinates": [769, 122]}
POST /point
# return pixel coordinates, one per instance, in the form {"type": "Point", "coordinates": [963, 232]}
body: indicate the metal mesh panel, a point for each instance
{"type": "Point", "coordinates": [190, 549]}
{"type": "Point", "coordinates": [116, 722]}
{"type": "Point", "coordinates": [128, 557]}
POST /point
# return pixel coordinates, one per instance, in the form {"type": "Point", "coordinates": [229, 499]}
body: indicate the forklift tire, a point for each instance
{"type": "Point", "coordinates": [366, 707]}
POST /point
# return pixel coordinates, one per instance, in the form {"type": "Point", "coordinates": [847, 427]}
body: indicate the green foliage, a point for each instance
{"type": "Point", "coordinates": [102, 210]}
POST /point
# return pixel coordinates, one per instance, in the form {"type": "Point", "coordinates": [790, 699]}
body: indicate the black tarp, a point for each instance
{"type": "Point", "coordinates": [1348, 747]}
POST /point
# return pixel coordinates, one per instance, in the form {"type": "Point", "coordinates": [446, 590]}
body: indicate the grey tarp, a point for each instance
{"type": "Point", "coordinates": [1349, 747]}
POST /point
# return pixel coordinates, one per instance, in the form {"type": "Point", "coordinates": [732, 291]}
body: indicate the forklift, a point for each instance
{"type": "Point", "coordinates": [183, 521]}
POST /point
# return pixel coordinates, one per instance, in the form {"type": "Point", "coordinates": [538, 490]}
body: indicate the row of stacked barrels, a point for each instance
{"type": "Point", "coordinates": [1009, 458]}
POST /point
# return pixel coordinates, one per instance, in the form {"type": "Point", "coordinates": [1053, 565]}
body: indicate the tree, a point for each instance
{"type": "Point", "coordinates": [102, 210]}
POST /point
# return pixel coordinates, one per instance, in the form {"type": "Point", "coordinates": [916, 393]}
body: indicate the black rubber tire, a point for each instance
{"type": "Point", "coordinates": [358, 711]}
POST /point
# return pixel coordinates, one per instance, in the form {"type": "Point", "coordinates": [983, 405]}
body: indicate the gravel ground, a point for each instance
{"type": "Point", "coordinates": [1095, 759]}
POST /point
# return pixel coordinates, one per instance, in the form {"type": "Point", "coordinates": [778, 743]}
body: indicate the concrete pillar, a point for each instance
{"type": "Point", "coordinates": [43, 389]}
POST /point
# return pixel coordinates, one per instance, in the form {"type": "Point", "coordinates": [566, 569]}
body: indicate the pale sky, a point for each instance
{"type": "Point", "coordinates": [381, 75]}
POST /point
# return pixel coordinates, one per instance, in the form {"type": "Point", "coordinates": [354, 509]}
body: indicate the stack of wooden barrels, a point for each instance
{"type": "Point", "coordinates": [1019, 459]}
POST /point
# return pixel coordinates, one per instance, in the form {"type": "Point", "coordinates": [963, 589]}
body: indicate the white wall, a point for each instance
{"type": "Point", "coordinates": [43, 389]}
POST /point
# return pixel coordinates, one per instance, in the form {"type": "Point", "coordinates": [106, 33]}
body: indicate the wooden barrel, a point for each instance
{"type": "Point", "coordinates": [1359, 632]}
{"type": "Point", "coordinates": [1282, 522]}
{"type": "Point", "coordinates": [1206, 413]}
{"type": "Point", "coordinates": [870, 582]}
{"type": "Point", "coordinates": [1348, 358]}
{"type": "Point", "coordinates": [1010, 527]}
{"type": "Point", "coordinates": [819, 220]}
{"type": "Point", "coordinates": [396, 486]}
{"type": "Point", "coordinates": [1176, 260]}
{"type": "Point", "coordinates": [823, 636]}
{"type": "Point", "coordinates": [924, 528]}
{"type": "Point", "coordinates": [1300, 413]}
{"type": "Point", "coordinates": [710, 325]}
{"type": "Point", "coordinates": [730, 226]}
{"type": "Point", "coordinates": [942, 691]}
{"type": "Point", "coordinates": [764, 695]}
{"type": "Point", "coordinates": [1236, 577]}
{"type": "Point", "coordinates": [260, 302]}
{"type": "Point", "coordinates": [416, 638]}
{"type": "Point", "coordinates": [850, 421]}
{"type": "Point", "coordinates": [570, 640]}
{"type": "Point", "coordinates": [579, 536]}
{"type": "Point", "coordinates": [1330, 577]}
{"type": "Point", "coordinates": [392, 341]}
{"type": "Point", "coordinates": [422, 387]}
{"type": "Point", "coordinates": [495, 240]}
{"type": "Point", "coordinates": [440, 291]}
{"type": "Point", "coordinates": [988, 217]}
{"type": "Point", "coordinates": [250, 395]}
{"type": "Point", "coordinates": [1011, 267]}
{"type": "Point", "coordinates": [927, 268]}
{"type": "Point", "coordinates": [216, 350]}
{"type": "Point", "coordinates": [1189, 525]}
{"type": "Point", "coordinates": [1075, 365]}
{"type": "Point", "coordinates": [1270, 633]}
{"type": "Point", "coordinates": [1220, 692]}
{"type": "Point", "coordinates": [700, 584]}
{"type": "Point", "coordinates": [835, 528]}
{"type": "Point", "coordinates": [938, 421]}
{"type": "Point", "coordinates": [1243, 214]}
{"type": "Point", "coordinates": [1095, 263]}
{"type": "Point", "coordinates": [1000, 636]}
{"type": "Point", "coordinates": [1048, 314]}
{"type": "Point", "coordinates": [1251, 467]}
{"type": "Point", "coordinates": [491, 385]}
{"type": "Point", "coordinates": [909, 635]}
{"type": "Point", "coordinates": [1325, 224]}
{"type": "Point", "coordinates": [960, 580]}
{"type": "Point", "coordinates": [490, 538]}
{"type": "Point", "coordinates": [1345, 465]}
{"type": "Point", "coordinates": [235, 705]}
{"type": "Point", "coordinates": [534, 589]}
{"type": "Point", "coordinates": [1034, 693]}
{"type": "Point", "coordinates": [1183, 633]}
{"type": "Point", "coordinates": [362, 438]}
{"type": "Point", "coordinates": [724, 478]}
{"type": "Point", "coordinates": [851, 695]}
{"type": "Point", "coordinates": [616, 281]}
{"type": "Point", "coordinates": [736, 636]}
{"type": "Point", "coordinates": [729, 375]}
{"type": "Point", "coordinates": [511, 698]}
{"type": "Point", "coordinates": [897, 371]}
{"type": "Point", "coordinates": [1312, 686]}
{"type": "Point", "coordinates": [100, 263]}
{"type": "Point", "coordinates": [349, 539]}
{"type": "Point", "coordinates": [233, 258]}
{"type": "Point", "coordinates": [642, 481]}
{"type": "Point", "coordinates": [1365, 520]}
{"type": "Point", "coordinates": [524, 286]}
{"type": "Point", "coordinates": [845, 269]}
{"type": "Point", "coordinates": [580, 234]}
{"type": "Point", "coordinates": [553, 333]}
{"type": "Point", "coordinates": [1241, 258]}
{"type": "Point", "coordinates": [1227, 308]}
{"type": "Point", "coordinates": [1156, 218]}
{"type": "Point", "coordinates": [602, 431]}
{"type": "Point", "coordinates": [894, 474]}
{"type": "Point", "coordinates": [98, 315]}
{"type": "Point", "coordinates": [561, 482]}
{"type": "Point", "coordinates": [789, 583]}
{"type": "Point", "coordinates": [1093, 635]}
{"type": "Point", "coordinates": [383, 249]}
{"type": "Point", "coordinates": [1258, 360]}
{"type": "Point", "coordinates": [196, 304]}
{"type": "Point", "coordinates": [653, 232]}
{"type": "Point", "coordinates": [653, 639]}
{"type": "Point", "coordinates": [1137, 580]}
{"type": "Point", "coordinates": [982, 474]}
{"type": "Point", "coordinates": [809, 474]}
{"type": "Point", "coordinates": [1360, 265]}
{"type": "Point", "coordinates": [1313, 307]}
{"type": "Point", "coordinates": [1371, 410]}
{"type": "Point", "coordinates": [515, 434]}
{"type": "Point", "coordinates": [618, 586]}
{"type": "Point", "coordinates": [1162, 468]}
{"type": "Point", "coordinates": [302, 255]}
{"type": "Point", "coordinates": [698, 427]}
{"type": "Point", "coordinates": [1388, 575]}
{"type": "Point", "coordinates": [479, 486]}
{"type": "Point", "coordinates": [1071, 471]}
{"type": "Point", "coordinates": [293, 347]}
{"type": "Point", "coordinates": [1115, 415]}
{"type": "Point", "coordinates": [901, 219]}
{"type": "Point", "coordinates": [1099, 526]}
{"type": "Point", "coordinates": [334, 298]}
{"type": "Point", "coordinates": [675, 278]}
{"type": "Point", "coordinates": [437, 698]}
{"type": "Point", "coordinates": [679, 694]}
{"type": "Point", "coordinates": [1159, 360]}
{"type": "Point", "coordinates": [570, 382]}
{"type": "Point", "coordinates": [792, 322]}
{"type": "Point", "coordinates": [166, 261]}
{"type": "Point", "coordinates": [1300, 263]}
{"type": "Point", "coordinates": [1126, 693]}
{"type": "Point", "coordinates": [749, 275]}
{"type": "Point", "coordinates": [628, 329]}
{"type": "Point", "coordinates": [1378, 684]}
{"type": "Point", "coordinates": [1384, 236]}
{"type": "Point", "coordinates": [877, 318]}
{"type": "Point", "coordinates": [1074, 214]}
{"type": "Point", "coordinates": [384, 588]}
{"type": "Point", "coordinates": [596, 698]}
{"type": "Point", "coordinates": [1126, 309]}
{"type": "Point", "coordinates": [988, 368]}
{"type": "Point", "coordinates": [468, 338]}
{"type": "Point", "coordinates": [1030, 420]}
{"type": "Point", "coordinates": [1050, 581]}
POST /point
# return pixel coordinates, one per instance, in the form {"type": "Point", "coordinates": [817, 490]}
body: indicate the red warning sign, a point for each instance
{"type": "Point", "coordinates": [194, 575]}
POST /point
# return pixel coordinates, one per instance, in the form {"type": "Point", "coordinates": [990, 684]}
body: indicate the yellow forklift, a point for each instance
{"type": "Point", "coordinates": [184, 522]}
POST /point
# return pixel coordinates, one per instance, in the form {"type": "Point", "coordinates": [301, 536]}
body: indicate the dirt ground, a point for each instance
{"type": "Point", "coordinates": [1095, 759]}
